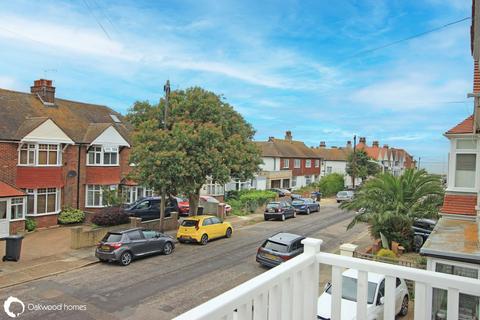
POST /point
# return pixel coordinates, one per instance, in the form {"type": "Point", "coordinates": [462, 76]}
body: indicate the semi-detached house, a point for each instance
{"type": "Point", "coordinates": [56, 153]}
{"type": "Point", "coordinates": [287, 164]}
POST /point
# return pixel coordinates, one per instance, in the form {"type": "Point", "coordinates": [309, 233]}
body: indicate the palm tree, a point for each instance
{"type": "Point", "coordinates": [390, 204]}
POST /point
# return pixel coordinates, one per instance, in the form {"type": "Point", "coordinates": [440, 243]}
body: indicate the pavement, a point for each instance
{"type": "Point", "coordinates": [162, 287]}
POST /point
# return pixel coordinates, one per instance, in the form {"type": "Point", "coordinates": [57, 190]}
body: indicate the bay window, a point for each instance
{"type": "Point", "coordinates": [32, 154]}
{"type": "Point", "coordinates": [134, 193]}
{"type": "Point", "coordinates": [465, 163]}
{"type": "Point", "coordinates": [102, 156]}
{"type": "Point", "coordinates": [95, 195]}
{"type": "Point", "coordinates": [42, 201]}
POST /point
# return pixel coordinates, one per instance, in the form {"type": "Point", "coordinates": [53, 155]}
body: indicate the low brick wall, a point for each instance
{"type": "Point", "coordinates": [17, 227]}
{"type": "Point", "coordinates": [82, 237]}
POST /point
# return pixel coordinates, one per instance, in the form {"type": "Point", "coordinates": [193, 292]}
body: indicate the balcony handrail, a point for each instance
{"type": "Point", "coordinates": [434, 279]}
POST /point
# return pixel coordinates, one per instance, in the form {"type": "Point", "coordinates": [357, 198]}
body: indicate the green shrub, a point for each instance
{"type": "Point", "coordinates": [330, 184]}
{"type": "Point", "coordinates": [385, 253]}
{"type": "Point", "coordinates": [253, 199]}
{"type": "Point", "coordinates": [70, 215]}
{"type": "Point", "coordinates": [30, 224]}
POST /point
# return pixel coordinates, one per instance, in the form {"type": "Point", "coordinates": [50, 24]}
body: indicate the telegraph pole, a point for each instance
{"type": "Point", "coordinates": [419, 158]}
{"type": "Point", "coordinates": [166, 90]}
{"type": "Point", "coordinates": [354, 160]}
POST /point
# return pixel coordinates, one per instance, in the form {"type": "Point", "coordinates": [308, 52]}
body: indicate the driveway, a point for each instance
{"type": "Point", "coordinates": [162, 287]}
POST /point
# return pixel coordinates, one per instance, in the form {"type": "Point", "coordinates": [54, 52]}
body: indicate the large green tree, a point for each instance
{"type": "Point", "coordinates": [203, 136]}
{"type": "Point", "coordinates": [360, 165]}
{"type": "Point", "coordinates": [389, 204]}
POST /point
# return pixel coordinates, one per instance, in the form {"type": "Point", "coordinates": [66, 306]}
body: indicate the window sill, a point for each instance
{"type": "Point", "coordinates": [42, 214]}
{"type": "Point", "coordinates": [464, 190]}
{"type": "Point", "coordinates": [19, 219]}
{"type": "Point", "coordinates": [103, 165]}
{"type": "Point", "coordinates": [96, 207]}
{"type": "Point", "coordinates": [40, 165]}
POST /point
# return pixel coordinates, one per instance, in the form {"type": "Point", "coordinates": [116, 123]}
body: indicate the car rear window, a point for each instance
{"type": "Point", "coordinates": [112, 237]}
{"type": "Point", "coordinates": [343, 193]}
{"type": "Point", "coordinates": [189, 223]}
{"type": "Point", "coordinates": [296, 202]}
{"type": "Point", "coordinates": [273, 205]}
{"type": "Point", "coordinates": [275, 246]}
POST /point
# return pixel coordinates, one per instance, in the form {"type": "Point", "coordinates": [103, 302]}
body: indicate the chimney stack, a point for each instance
{"type": "Point", "coordinates": [385, 146]}
{"type": "Point", "coordinates": [270, 139]}
{"type": "Point", "coordinates": [375, 144]}
{"type": "Point", "coordinates": [362, 140]}
{"type": "Point", "coordinates": [288, 135]}
{"type": "Point", "coordinates": [322, 144]}
{"type": "Point", "coordinates": [44, 90]}
{"type": "Point", "coordinates": [349, 144]}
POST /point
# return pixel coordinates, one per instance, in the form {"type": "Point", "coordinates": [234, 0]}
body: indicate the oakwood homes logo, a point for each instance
{"type": "Point", "coordinates": [8, 306]}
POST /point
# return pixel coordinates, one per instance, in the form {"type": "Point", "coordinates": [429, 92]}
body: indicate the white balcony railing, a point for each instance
{"type": "Point", "coordinates": [290, 291]}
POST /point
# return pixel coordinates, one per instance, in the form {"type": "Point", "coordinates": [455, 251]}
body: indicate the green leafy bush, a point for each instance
{"type": "Point", "coordinates": [71, 215]}
{"type": "Point", "coordinates": [30, 224]}
{"type": "Point", "coordinates": [110, 216]}
{"type": "Point", "coordinates": [385, 253]}
{"type": "Point", "coordinates": [254, 199]}
{"type": "Point", "coordinates": [330, 184]}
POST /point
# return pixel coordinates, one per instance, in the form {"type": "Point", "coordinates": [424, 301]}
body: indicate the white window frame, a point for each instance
{"type": "Point", "coordinates": [308, 180]}
{"type": "Point", "coordinates": [11, 205]}
{"type": "Point", "coordinates": [101, 151]}
{"type": "Point", "coordinates": [329, 170]}
{"type": "Point", "coordinates": [297, 164]}
{"type": "Point", "coordinates": [293, 182]}
{"type": "Point", "coordinates": [35, 149]}
{"type": "Point", "coordinates": [97, 188]}
{"type": "Point", "coordinates": [286, 163]}
{"type": "Point", "coordinates": [453, 163]}
{"type": "Point", "coordinates": [132, 195]}
{"type": "Point", "coordinates": [35, 193]}
{"type": "Point", "coordinates": [308, 163]}
{"type": "Point", "coordinates": [317, 163]}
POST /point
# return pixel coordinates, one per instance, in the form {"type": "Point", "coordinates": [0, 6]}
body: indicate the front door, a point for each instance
{"type": "Point", "coordinates": [4, 224]}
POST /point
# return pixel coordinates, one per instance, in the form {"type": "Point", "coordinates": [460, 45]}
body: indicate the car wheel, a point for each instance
{"type": "Point", "coordinates": [167, 248]}
{"type": "Point", "coordinates": [204, 239]}
{"type": "Point", "coordinates": [228, 234]}
{"type": "Point", "coordinates": [125, 258]}
{"type": "Point", "coordinates": [308, 210]}
{"type": "Point", "coordinates": [404, 308]}
{"type": "Point", "coordinates": [283, 217]}
{"type": "Point", "coordinates": [265, 218]}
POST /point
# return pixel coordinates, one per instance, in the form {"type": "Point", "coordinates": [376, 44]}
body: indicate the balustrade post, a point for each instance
{"type": "Point", "coordinates": [311, 247]}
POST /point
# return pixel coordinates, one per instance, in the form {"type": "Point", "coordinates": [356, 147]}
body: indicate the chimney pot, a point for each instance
{"type": "Point", "coordinates": [44, 90]}
{"type": "Point", "coordinates": [349, 144]}
{"type": "Point", "coordinates": [322, 144]}
{"type": "Point", "coordinates": [385, 146]}
{"type": "Point", "coordinates": [288, 135]}
{"type": "Point", "coordinates": [375, 144]}
{"type": "Point", "coordinates": [362, 140]}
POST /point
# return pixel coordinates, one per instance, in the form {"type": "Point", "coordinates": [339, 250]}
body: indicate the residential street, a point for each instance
{"type": "Point", "coordinates": [165, 286]}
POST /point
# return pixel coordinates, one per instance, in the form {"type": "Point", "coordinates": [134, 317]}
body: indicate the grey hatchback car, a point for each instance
{"type": "Point", "coordinates": [279, 248]}
{"type": "Point", "coordinates": [124, 246]}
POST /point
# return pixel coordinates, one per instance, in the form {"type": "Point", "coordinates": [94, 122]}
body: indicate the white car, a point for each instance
{"type": "Point", "coordinates": [345, 196]}
{"type": "Point", "coordinates": [375, 300]}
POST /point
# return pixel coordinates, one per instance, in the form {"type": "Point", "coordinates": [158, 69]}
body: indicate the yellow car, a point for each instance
{"type": "Point", "coordinates": [203, 228]}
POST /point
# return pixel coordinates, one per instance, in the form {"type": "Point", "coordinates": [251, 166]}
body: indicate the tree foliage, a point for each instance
{"type": "Point", "coordinates": [205, 137]}
{"type": "Point", "coordinates": [390, 204]}
{"type": "Point", "coordinates": [360, 165]}
{"type": "Point", "coordinates": [330, 184]}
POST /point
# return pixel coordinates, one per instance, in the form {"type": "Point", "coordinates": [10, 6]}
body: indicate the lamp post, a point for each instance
{"type": "Point", "coordinates": [354, 160]}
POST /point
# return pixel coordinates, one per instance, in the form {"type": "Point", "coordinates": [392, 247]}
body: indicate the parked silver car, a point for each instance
{"type": "Point", "coordinates": [124, 246]}
{"type": "Point", "coordinates": [344, 196]}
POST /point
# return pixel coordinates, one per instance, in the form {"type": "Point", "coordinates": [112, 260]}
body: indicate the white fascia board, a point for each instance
{"type": "Point", "coordinates": [47, 132]}
{"type": "Point", "coordinates": [110, 137]}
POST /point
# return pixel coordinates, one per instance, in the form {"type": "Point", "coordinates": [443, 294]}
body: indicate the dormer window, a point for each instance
{"type": "Point", "coordinates": [32, 154]}
{"type": "Point", "coordinates": [102, 156]}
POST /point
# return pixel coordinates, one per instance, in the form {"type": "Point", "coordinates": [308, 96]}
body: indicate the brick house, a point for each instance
{"type": "Point", "coordinates": [287, 164]}
{"type": "Point", "coordinates": [454, 245]}
{"type": "Point", "coordinates": [60, 153]}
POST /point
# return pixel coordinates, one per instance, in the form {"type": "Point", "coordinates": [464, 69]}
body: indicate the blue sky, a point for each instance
{"type": "Point", "coordinates": [284, 65]}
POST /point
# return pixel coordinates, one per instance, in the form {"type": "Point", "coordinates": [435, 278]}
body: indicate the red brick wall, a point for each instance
{"type": "Point", "coordinates": [302, 171]}
{"type": "Point", "coordinates": [459, 204]}
{"type": "Point", "coordinates": [17, 227]}
{"type": "Point", "coordinates": [39, 177]}
{"type": "Point", "coordinates": [46, 221]}
{"type": "Point", "coordinates": [70, 164]}
{"type": "Point", "coordinates": [8, 162]}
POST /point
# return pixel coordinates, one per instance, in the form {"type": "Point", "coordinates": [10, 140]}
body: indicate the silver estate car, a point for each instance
{"type": "Point", "coordinates": [124, 246]}
{"type": "Point", "coordinates": [344, 196]}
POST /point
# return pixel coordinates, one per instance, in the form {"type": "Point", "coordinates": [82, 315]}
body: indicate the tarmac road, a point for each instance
{"type": "Point", "coordinates": [161, 287]}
